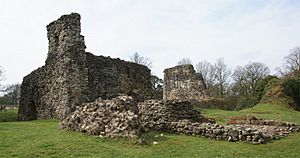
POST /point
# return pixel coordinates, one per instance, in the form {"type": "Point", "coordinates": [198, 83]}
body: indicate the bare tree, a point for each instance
{"type": "Point", "coordinates": [1, 77]}
{"type": "Point", "coordinates": [255, 72]}
{"type": "Point", "coordinates": [1, 74]}
{"type": "Point", "coordinates": [207, 70]}
{"type": "Point", "coordinates": [13, 93]}
{"type": "Point", "coordinates": [136, 58]}
{"type": "Point", "coordinates": [247, 77]}
{"type": "Point", "coordinates": [184, 61]}
{"type": "Point", "coordinates": [292, 62]}
{"type": "Point", "coordinates": [239, 77]}
{"type": "Point", "coordinates": [222, 75]}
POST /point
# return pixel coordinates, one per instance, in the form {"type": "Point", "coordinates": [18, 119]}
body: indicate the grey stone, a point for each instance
{"type": "Point", "coordinates": [182, 82]}
{"type": "Point", "coordinates": [120, 113]}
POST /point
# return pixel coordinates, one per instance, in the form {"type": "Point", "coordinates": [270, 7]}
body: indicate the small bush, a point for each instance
{"type": "Point", "coordinates": [244, 103]}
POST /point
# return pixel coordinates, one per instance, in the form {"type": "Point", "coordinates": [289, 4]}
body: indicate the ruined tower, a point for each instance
{"type": "Point", "coordinates": [72, 76]}
{"type": "Point", "coordinates": [182, 82]}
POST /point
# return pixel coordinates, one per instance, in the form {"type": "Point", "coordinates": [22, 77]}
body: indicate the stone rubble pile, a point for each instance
{"type": "Point", "coordinates": [117, 117]}
{"type": "Point", "coordinates": [160, 114]}
{"type": "Point", "coordinates": [255, 134]}
{"type": "Point", "coordinates": [123, 117]}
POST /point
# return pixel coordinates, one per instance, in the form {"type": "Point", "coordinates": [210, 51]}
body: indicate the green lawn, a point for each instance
{"type": "Point", "coordinates": [265, 111]}
{"type": "Point", "coordinates": [42, 138]}
{"type": "Point", "coordinates": [9, 115]}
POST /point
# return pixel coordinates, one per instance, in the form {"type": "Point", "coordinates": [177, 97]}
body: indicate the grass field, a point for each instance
{"type": "Point", "coordinates": [43, 138]}
{"type": "Point", "coordinates": [265, 111]}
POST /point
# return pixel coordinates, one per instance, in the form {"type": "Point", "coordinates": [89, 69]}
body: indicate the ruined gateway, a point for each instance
{"type": "Point", "coordinates": [72, 76]}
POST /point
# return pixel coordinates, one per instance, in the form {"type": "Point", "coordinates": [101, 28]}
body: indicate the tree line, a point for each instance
{"type": "Point", "coordinates": [241, 86]}
{"type": "Point", "coordinates": [10, 93]}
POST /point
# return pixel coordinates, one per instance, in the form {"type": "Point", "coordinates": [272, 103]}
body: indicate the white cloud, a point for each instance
{"type": "Point", "coordinates": [164, 31]}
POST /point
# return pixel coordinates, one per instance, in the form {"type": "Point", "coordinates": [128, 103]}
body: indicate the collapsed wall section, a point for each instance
{"type": "Point", "coordinates": [161, 115]}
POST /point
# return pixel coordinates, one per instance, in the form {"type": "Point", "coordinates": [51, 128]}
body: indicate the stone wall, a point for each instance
{"type": "Point", "coordinates": [161, 114]}
{"type": "Point", "coordinates": [182, 82]}
{"type": "Point", "coordinates": [72, 76]}
{"type": "Point", "coordinates": [109, 77]}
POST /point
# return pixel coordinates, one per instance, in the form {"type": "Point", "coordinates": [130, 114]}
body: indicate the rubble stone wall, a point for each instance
{"type": "Point", "coordinates": [161, 114]}
{"type": "Point", "coordinates": [124, 117]}
{"type": "Point", "coordinates": [179, 117]}
{"type": "Point", "coordinates": [109, 78]}
{"type": "Point", "coordinates": [117, 117]}
{"type": "Point", "coordinates": [182, 82]}
{"type": "Point", "coordinates": [72, 76]}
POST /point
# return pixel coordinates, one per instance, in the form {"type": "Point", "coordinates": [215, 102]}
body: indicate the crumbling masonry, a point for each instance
{"type": "Point", "coordinates": [84, 90]}
{"type": "Point", "coordinates": [72, 76]}
{"type": "Point", "coordinates": [182, 82]}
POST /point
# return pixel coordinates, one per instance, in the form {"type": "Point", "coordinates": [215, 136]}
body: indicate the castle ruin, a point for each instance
{"type": "Point", "coordinates": [109, 97]}
{"type": "Point", "coordinates": [72, 76]}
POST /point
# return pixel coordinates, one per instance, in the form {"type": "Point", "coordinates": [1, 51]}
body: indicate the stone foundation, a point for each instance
{"type": "Point", "coordinates": [251, 120]}
{"type": "Point", "coordinates": [254, 134]}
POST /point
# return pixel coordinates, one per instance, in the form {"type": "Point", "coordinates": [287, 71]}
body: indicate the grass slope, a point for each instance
{"type": "Point", "coordinates": [265, 111]}
{"type": "Point", "coordinates": [42, 138]}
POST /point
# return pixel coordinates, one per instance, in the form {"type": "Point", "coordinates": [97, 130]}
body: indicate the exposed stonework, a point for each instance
{"type": "Point", "coordinates": [122, 117]}
{"type": "Point", "coordinates": [252, 120]}
{"type": "Point", "coordinates": [179, 117]}
{"type": "Point", "coordinates": [72, 76]}
{"type": "Point", "coordinates": [117, 117]}
{"type": "Point", "coordinates": [182, 82]}
{"type": "Point", "coordinates": [161, 114]}
{"type": "Point", "coordinates": [255, 134]}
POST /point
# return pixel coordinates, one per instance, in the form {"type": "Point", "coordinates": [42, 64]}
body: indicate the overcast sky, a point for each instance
{"type": "Point", "coordinates": [163, 30]}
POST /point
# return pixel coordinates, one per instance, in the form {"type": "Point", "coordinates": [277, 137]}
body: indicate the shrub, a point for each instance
{"type": "Point", "coordinates": [264, 85]}
{"type": "Point", "coordinates": [285, 91]}
{"type": "Point", "coordinates": [216, 103]}
{"type": "Point", "coordinates": [244, 103]}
